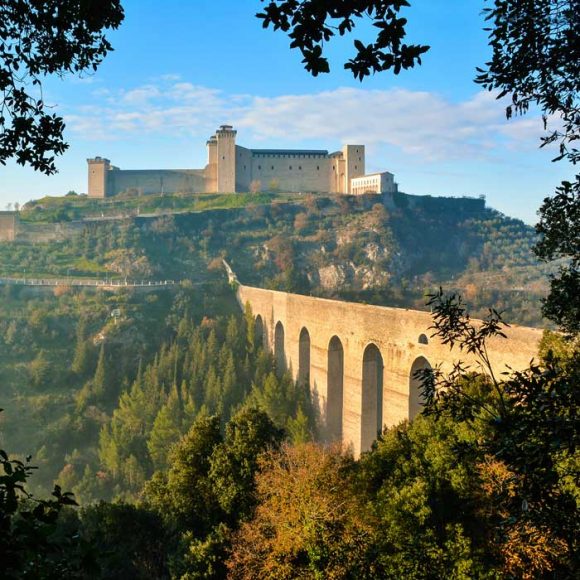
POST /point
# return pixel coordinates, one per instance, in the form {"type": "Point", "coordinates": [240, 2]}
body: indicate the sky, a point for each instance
{"type": "Point", "coordinates": [182, 68]}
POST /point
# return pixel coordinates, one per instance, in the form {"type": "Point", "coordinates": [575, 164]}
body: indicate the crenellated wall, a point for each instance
{"type": "Point", "coordinates": [381, 349]}
{"type": "Point", "coordinates": [291, 170]}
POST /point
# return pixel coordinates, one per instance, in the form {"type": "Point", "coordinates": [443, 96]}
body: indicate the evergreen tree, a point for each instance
{"type": "Point", "coordinates": [250, 324]}
{"type": "Point", "coordinates": [127, 434]}
{"type": "Point", "coordinates": [166, 429]}
{"type": "Point", "coordinates": [272, 397]}
{"type": "Point", "coordinates": [235, 462]}
{"type": "Point", "coordinates": [100, 383]}
{"type": "Point", "coordinates": [82, 357]}
{"type": "Point", "coordinates": [213, 391]}
{"type": "Point", "coordinates": [185, 497]}
{"type": "Point", "coordinates": [231, 392]}
{"type": "Point", "coordinates": [299, 428]}
{"type": "Point", "coordinates": [40, 369]}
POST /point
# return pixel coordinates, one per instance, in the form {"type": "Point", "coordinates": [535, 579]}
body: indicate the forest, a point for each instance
{"type": "Point", "coordinates": [186, 434]}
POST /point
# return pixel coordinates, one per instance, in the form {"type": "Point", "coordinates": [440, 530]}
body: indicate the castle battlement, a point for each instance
{"type": "Point", "coordinates": [232, 168]}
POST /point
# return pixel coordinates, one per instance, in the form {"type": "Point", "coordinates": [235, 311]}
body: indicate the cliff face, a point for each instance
{"type": "Point", "coordinates": [386, 254]}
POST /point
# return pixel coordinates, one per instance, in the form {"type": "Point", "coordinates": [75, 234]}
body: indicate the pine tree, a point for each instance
{"type": "Point", "coordinates": [40, 369]}
{"type": "Point", "coordinates": [127, 434]}
{"type": "Point", "coordinates": [189, 406]}
{"type": "Point", "coordinates": [213, 392]}
{"type": "Point", "coordinates": [82, 357]}
{"type": "Point", "coordinates": [100, 380]}
{"type": "Point", "coordinates": [231, 394]}
{"type": "Point", "coordinates": [299, 428]}
{"type": "Point", "coordinates": [166, 429]}
{"type": "Point", "coordinates": [272, 398]}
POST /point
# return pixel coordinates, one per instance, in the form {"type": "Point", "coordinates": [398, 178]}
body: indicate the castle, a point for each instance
{"type": "Point", "coordinates": [232, 168]}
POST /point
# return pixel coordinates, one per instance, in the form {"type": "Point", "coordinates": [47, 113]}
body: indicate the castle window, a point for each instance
{"type": "Point", "coordinates": [259, 167]}
{"type": "Point", "coordinates": [244, 167]}
{"type": "Point", "coordinates": [318, 168]}
{"type": "Point", "coordinates": [223, 156]}
{"type": "Point", "coordinates": [356, 167]}
{"type": "Point", "coordinates": [290, 167]}
{"type": "Point", "coordinates": [333, 168]}
{"type": "Point", "coordinates": [272, 168]}
{"type": "Point", "coordinates": [300, 167]}
{"type": "Point", "coordinates": [360, 158]}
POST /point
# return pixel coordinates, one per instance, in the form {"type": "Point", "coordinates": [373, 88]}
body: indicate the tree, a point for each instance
{"type": "Point", "coordinates": [101, 380]}
{"type": "Point", "coordinates": [272, 396]}
{"type": "Point", "coordinates": [531, 417]}
{"type": "Point", "coordinates": [139, 554]}
{"type": "Point", "coordinates": [308, 521]}
{"type": "Point", "coordinates": [28, 547]}
{"type": "Point", "coordinates": [255, 186]}
{"type": "Point", "coordinates": [536, 61]}
{"type": "Point", "coordinates": [185, 497]}
{"type": "Point", "coordinates": [311, 24]}
{"type": "Point", "coordinates": [559, 228]}
{"type": "Point", "coordinates": [39, 39]}
{"type": "Point", "coordinates": [299, 428]}
{"type": "Point", "coordinates": [40, 369]}
{"type": "Point", "coordinates": [166, 430]}
{"type": "Point", "coordinates": [419, 483]}
{"type": "Point", "coordinates": [235, 461]}
{"type": "Point", "coordinates": [83, 351]}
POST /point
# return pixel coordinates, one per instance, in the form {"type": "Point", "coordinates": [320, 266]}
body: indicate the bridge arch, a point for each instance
{"type": "Point", "coordinates": [259, 332]}
{"type": "Point", "coordinates": [334, 389]}
{"type": "Point", "coordinates": [415, 396]}
{"type": "Point", "coordinates": [304, 356]}
{"type": "Point", "coordinates": [372, 396]}
{"type": "Point", "coordinates": [279, 352]}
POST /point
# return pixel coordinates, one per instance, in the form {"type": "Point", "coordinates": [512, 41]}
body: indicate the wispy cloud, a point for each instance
{"type": "Point", "coordinates": [417, 123]}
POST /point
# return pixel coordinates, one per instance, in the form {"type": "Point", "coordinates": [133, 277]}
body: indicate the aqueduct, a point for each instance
{"type": "Point", "coordinates": [360, 359]}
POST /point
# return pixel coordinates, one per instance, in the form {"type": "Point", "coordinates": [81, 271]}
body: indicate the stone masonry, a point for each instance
{"type": "Point", "coordinates": [232, 168]}
{"type": "Point", "coordinates": [360, 360]}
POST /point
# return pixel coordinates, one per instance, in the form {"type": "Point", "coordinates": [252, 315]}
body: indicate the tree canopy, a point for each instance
{"type": "Point", "coordinates": [311, 24]}
{"type": "Point", "coordinates": [40, 38]}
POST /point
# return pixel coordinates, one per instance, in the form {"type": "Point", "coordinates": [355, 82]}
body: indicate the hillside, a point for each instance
{"type": "Point", "coordinates": [345, 247]}
{"type": "Point", "coordinates": [68, 368]}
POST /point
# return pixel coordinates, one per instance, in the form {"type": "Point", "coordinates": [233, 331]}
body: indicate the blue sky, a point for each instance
{"type": "Point", "coordinates": [181, 68]}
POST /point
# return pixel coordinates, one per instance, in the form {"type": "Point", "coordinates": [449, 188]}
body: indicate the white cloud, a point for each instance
{"type": "Point", "coordinates": [417, 123]}
{"type": "Point", "coordinates": [141, 95]}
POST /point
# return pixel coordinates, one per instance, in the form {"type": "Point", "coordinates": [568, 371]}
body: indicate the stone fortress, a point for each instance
{"type": "Point", "coordinates": [232, 168]}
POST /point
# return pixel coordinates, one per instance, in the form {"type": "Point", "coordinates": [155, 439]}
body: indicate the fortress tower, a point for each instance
{"type": "Point", "coordinates": [98, 172]}
{"type": "Point", "coordinates": [354, 164]}
{"type": "Point", "coordinates": [226, 159]}
{"type": "Point", "coordinates": [211, 168]}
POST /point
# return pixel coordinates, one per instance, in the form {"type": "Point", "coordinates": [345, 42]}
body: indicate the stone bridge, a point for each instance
{"type": "Point", "coordinates": [360, 360]}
